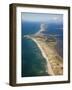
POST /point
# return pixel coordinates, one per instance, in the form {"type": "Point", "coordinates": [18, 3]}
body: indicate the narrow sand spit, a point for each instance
{"type": "Point", "coordinates": [49, 68]}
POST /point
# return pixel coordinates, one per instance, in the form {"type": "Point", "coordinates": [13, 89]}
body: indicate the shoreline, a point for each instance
{"type": "Point", "coordinates": [49, 68]}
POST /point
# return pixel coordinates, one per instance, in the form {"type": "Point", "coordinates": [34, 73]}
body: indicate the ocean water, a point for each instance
{"type": "Point", "coordinates": [33, 63]}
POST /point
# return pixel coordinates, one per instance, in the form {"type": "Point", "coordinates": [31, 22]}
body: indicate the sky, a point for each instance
{"type": "Point", "coordinates": [41, 17]}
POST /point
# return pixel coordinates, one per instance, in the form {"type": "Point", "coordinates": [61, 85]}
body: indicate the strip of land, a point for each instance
{"type": "Point", "coordinates": [49, 68]}
{"type": "Point", "coordinates": [53, 59]}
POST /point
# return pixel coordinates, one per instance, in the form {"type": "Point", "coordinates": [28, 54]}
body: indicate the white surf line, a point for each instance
{"type": "Point", "coordinates": [49, 68]}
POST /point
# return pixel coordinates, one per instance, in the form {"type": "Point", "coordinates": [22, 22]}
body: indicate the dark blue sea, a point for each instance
{"type": "Point", "coordinates": [33, 63]}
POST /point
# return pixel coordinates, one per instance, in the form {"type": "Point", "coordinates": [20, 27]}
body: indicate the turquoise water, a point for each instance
{"type": "Point", "coordinates": [33, 63]}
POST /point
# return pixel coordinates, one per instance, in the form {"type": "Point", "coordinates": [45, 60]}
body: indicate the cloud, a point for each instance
{"type": "Point", "coordinates": [42, 17]}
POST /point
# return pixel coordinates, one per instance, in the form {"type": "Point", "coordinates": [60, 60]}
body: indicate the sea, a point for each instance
{"type": "Point", "coordinates": [33, 63]}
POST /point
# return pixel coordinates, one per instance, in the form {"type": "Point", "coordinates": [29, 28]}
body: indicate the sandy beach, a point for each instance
{"type": "Point", "coordinates": [49, 68]}
{"type": "Point", "coordinates": [54, 61]}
